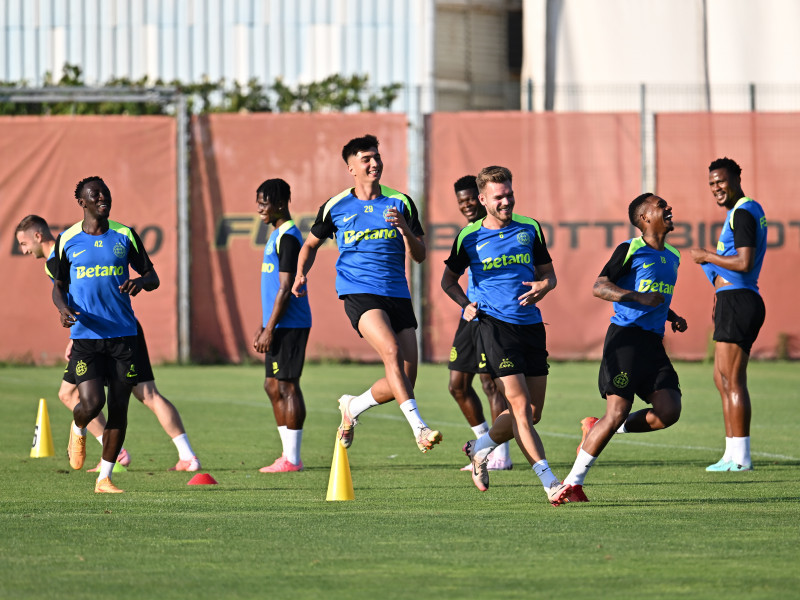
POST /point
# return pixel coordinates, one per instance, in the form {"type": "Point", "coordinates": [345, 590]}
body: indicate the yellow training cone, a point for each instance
{"type": "Point", "coordinates": [42, 437]}
{"type": "Point", "coordinates": [340, 484]}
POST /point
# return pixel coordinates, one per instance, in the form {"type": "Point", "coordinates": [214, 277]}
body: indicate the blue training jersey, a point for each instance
{"type": "Point", "coordinates": [94, 266]}
{"type": "Point", "coordinates": [499, 261]}
{"type": "Point", "coordinates": [638, 267]}
{"type": "Point", "coordinates": [280, 255]}
{"type": "Point", "coordinates": [745, 226]}
{"type": "Point", "coordinates": [372, 253]}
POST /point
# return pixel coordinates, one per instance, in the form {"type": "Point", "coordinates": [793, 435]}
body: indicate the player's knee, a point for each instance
{"type": "Point", "coordinates": [489, 388]}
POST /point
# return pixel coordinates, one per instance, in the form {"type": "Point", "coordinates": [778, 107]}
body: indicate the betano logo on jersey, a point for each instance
{"type": "Point", "coordinates": [506, 259]}
{"type": "Point", "coordinates": [369, 234]}
{"type": "Point", "coordinates": [648, 285]}
{"type": "Point", "coordinates": [98, 271]}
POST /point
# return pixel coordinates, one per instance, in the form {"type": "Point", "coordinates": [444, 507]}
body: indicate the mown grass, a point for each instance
{"type": "Point", "coordinates": [658, 525]}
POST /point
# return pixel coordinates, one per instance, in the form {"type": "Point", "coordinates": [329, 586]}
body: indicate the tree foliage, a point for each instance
{"type": "Point", "coordinates": [336, 93]}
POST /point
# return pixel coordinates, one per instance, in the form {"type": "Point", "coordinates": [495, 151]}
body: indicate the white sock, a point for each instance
{"type": "Point", "coordinates": [361, 403]}
{"type": "Point", "coordinates": [622, 428]}
{"type": "Point", "coordinates": [580, 468]}
{"type": "Point", "coordinates": [282, 429]}
{"type": "Point", "coordinates": [184, 447]}
{"type": "Point", "coordinates": [409, 408]}
{"type": "Point", "coordinates": [484, 446]}
{"type": "Point", "coordinates": [545, 475]}
{"type": "Point", "coordinates": [740, 451]}
{"type": "Point", "coordinates": [100, 439]}
{"type": "Point", "coordinates": [501, 452]}
{"type": "Point", "coordinates": [105, 469]}
{"type": "Point", "coordinates": [291, 449]}
{"type": "Point", "coordinates": [479, 430]}
{"type": "Point", "coordinates": [728, 449]}
{"type": "Point", "coordinates": [78, 430]}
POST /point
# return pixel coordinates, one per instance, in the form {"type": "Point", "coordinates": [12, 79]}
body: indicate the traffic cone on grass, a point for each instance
{"type": "Point", "coordinates": [42, 436]}
{"type": "Point", "coordinates": [340, 484]}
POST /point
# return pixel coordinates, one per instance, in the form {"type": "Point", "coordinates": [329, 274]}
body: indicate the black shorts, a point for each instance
{"type": "Point", "coordinates": [142, 361]}
{"type": "Point", "coordinates": [464, 356]}
{"type": "Point", "coordinates": [635, 363]}
{"type": "Point", "coordinates": [399, 310]}
{"type": "Point", "coordinates": [287, 354]}
{"type": "Point", "coordinates": [510, 349]}
{"type": "Point", "coordinates": [112, 358]}
{"type": "Point", "coordinates": [738, 317]}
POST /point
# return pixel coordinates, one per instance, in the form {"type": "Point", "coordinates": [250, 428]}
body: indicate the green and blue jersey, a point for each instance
{"type": "Point", "coordinates": [745, 227]}
{"type": "Point", "coordinates": [94, 266]}
{"type": "Point", "coordinates": [280, 255]}
{"type": "Point", "coordinates": [636, 266]}
{"type": "Point", "coordinates": [499, 260]}
{"type": "Point", "coordinates": [372, 253]}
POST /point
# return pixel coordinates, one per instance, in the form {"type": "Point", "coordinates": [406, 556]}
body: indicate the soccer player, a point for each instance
{"type": "Point", "coordinates": [465, 360]}
{"type": "Point", "coordinates": [739, 308]}
{"type": "Point", "coordinates": [511, 271]}
{"type": "Point", "coordinates": [92, 291]}
{"type": "Point", "coordinates": [285, 323]}
{"type": "Point", "coordinates": [639, 279]}
{"type": "Point", "coordinates": [34, 237]}
{"type": "Point", "coordinates": [375, 227]}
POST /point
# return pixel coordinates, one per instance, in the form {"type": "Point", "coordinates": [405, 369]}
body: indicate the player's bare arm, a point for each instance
{"type": "Point", "coordinates": [741, 262]}
{"type": "Point", "coordinates": [545, 282]}
{"type": "Point", "coordinates": [148, 282]}
{"type": "Point", "coordinates": [453, 288]}
{"type": "Point", "coordinates": [606, 290]}
{"type": "Point", "coordinates": [415, 246]}
{"type": "Point", "coordinates": [305, 260]}
{"type": "Point", "coordinates": [67, 316]}
{"type": "Point", "coordinates": [263, 339]}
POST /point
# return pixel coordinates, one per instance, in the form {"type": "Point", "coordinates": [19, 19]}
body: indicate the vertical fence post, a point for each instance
{"type": "Point", "coordinates": [184, 254]}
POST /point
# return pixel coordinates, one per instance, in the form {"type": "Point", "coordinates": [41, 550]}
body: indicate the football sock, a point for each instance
{"type": "Point", "coordinates": [105, 469]}
{"type": "Point", "coordinates": [622, 428]}
{"type": "Point", "coordinates": [740, 451]}
{"type": "Point", "coordinates": [282, 429]}
{"type": "Point", "coordinates": [361, 403]}
{"type": "Point", "coordinates": [184, 447]}
{"type": "Point", "coordinates": [580, 468]}
{"type": "Point", "coordinates": [545, 475]}
{"type": "Point", "coordinates": [484, 446]}
{"type": "Point", "coordinates": [292, 449]}
{"type": "Point", "coordinates": [78, 430]}
{"type": "Point", "coordinates": [479, 430]}
{"type": "Point", "coordinates": [409, 408]}
{"type": "Point", "coordinates": [501, 452]}
{"type": "Point", "coordinates": [728, 449]}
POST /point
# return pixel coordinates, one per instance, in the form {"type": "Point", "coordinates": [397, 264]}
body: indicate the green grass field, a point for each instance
{"type": "Point", "coordinates": [658, 525]}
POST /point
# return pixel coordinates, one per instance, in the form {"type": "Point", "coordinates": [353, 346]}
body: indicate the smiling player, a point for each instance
{"type": "Point", "coordinates": [640, 280]}
{"type": "Point", "coordinates": [375, 228]}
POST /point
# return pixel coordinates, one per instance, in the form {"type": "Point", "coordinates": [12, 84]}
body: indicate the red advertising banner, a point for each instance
{"type": "Point", "coordinates": [574, 173]}
{"type": "Point", "coordinates": [766, 146]}
{"type": "Point", "coordinates": [41, 161]}
{"type": "Point", "coordinates": [231, 156]}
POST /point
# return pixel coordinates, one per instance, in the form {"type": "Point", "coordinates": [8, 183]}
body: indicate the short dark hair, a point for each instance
{"type": "Point", "coordinates": [728, 164]}
{"type": "Point", "coordinates": [493, 174]}
{"type": "Point", "coordinates": [467, 182]}
{"type": "Point", "coordinates": [83, 182]}
{"type": "Point", "coordinates": [359, 144]}
{"type": "Point", "coordinates": [277, 191]}
{"type": "Point", "coordinates": [636, 207]}
{"type": "Point", "coordinates": [36, 223]}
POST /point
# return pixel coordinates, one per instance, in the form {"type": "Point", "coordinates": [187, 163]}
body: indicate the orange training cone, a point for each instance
{"type": "Point", "coordinates": [42, 436]}
{"type": "Point", "coordinates": [202, 479]}
{"type": "Point", "coordinates": [340, 484]}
